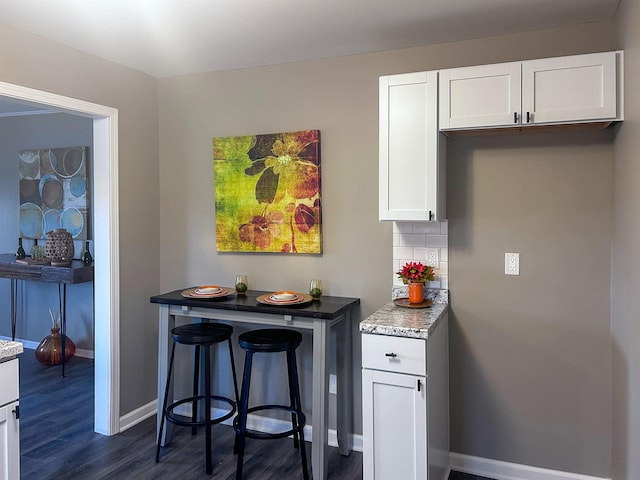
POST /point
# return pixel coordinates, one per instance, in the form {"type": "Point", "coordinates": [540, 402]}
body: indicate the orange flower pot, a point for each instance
{"type": "Point", "coordinates": [416, 292]}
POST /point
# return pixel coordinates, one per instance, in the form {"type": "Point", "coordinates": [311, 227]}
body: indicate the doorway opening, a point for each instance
{"type": "Point", "coordinates": [106, 245]}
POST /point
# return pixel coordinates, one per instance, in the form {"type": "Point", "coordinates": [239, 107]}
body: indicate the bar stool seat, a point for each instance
{"type": "Point", "coordinates": [270, 340]}
{"type": "Point", "coordinates": [199, 335]}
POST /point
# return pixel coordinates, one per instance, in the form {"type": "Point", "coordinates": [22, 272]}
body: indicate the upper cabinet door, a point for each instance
{"type": "Point", "coordinates": [408, 142]}
{"type": "Point", "coordinates": [570, 89]}
{"type": "Point", "coordinates": [481, 96]}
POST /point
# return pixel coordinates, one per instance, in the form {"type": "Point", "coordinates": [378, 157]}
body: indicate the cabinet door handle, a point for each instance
{"type": "Point", "coordinates": [16, 412]}
{"type": "Point", "coordinates": [515, 117]}
{"type": "Point", "coordinates": [528, 117]}
{"type": "Point", "coordinates": [430, 216]}
{"type": "Point", "coordinates": [419, 384]}
{"type": "Point", "coordinates": [392, 355]}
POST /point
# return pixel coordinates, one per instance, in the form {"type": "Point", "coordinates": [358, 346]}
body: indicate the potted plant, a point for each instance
{"type": "Point", "coordinates": [415, 275]}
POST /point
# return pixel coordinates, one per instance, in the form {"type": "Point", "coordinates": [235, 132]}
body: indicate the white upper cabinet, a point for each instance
{"type": "Point", "coordinates": [480, 96]}
{"type": "Point", "coordinates": [409, 170]}
{"type": "Point", "coordinates": [573, 89]}
{"type": "Point", "coordinates": [570, 89]}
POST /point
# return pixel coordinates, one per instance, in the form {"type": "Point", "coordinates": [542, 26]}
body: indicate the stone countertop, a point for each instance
{"type": "Point", "coordinates": [408, 322]}
{"type": "Point", "coordinates": [9, 349]}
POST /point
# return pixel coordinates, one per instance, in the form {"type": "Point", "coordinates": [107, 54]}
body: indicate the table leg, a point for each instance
{"type": "Point", "coordinates": [320, 401]}
{"type": "Point", "coordinates": [167, 322]}
{"type": "Point", "coordinates": [344, 372]}
{"type": "Point", "coordinates": [14, 301]}
{"type": "Point", "coordinates": [62, 299]}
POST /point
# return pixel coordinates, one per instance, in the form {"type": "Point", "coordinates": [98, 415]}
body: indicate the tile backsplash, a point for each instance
{"type": "Point", "coordinates": [420, 242]}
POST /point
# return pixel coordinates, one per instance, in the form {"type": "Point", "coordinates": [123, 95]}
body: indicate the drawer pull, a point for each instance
{"type": "Point", "coordinates": [392, 355]}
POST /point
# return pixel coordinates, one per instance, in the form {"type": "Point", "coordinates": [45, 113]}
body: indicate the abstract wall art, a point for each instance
{"type": "Point", "coordinates": [54, 191]}
{"type": "Point", "coordinates": [267, 193]}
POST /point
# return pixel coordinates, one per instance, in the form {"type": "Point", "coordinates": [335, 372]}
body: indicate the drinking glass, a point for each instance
{"type": "Point", "coordinates": [315, 289]}
{"type": "Point", "coordinates": [241, 284]}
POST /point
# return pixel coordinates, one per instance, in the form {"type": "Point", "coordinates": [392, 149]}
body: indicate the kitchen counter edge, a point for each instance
{"type": "Point", "coordinates": [9, 349]}
{"type": "Point", "coordinates": [397, 321]}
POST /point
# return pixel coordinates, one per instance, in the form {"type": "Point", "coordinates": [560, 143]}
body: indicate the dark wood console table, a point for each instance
{"type": "Point", "coordinates": [78, 272]}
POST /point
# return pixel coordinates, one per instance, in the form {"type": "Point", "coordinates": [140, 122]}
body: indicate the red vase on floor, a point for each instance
{"type": "Point", "coordinates": [49, 351]}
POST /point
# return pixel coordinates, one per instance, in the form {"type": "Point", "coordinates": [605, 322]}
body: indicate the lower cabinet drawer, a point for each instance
{"type": "Point", "coordinates": [394, 354]}
{"type": "Point", "coordinates": [9, 381]}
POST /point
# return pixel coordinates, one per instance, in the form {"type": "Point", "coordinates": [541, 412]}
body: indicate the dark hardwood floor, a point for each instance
{"type": "Point", "coordinates": [57, 439]}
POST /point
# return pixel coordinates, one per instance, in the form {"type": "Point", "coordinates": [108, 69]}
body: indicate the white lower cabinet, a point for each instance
{"type": "Point", "coordinates": [405, 406]}
{"type": "Point", "coordinates": [9, 442]}
{"type": "Point", "coordinates": [395, 409]}
{"type": "Point", "coordinates": [9, 421]}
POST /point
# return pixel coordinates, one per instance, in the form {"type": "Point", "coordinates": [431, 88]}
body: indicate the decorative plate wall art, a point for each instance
{"type": "Point", "coordinates": [267, 193]}
{"type": "Point", "coordinates": [54, 191]}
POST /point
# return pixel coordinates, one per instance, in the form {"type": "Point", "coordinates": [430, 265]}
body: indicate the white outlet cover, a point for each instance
{"type": "Point", "coordinates": [512, 264]}
{"type": "Point", "coordinates": [432, 257]}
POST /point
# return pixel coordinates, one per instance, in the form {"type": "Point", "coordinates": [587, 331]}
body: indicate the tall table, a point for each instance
{"type": "Point", "coordinates": [318, 316]}
{"type": "Point", "coordinates": [77, 272]}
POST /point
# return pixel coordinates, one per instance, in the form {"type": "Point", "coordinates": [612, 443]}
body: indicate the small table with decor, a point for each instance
{"type": "Point", "coordinates": [317, 316]}
{"type": "Point", "coordinates": [77, 272]}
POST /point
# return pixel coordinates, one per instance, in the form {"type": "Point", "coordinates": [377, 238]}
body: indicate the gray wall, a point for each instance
{"type": "Point", "coordinates": [625, 285]}
{"type": "Point", "coordinates": [530, 355]}
{"type": "Point", "coordinates": [32, 61]}
{"type": "Point", "coordinates": [22, 133]}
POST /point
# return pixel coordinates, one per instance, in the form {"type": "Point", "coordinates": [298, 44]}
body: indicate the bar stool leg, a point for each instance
{"type": "Point", "coordinates": [292, 403]}
{"type": "Point", "coordinates": [164, 404]}
{"type": "Point", "coordinates": [242, 414]}
{"type": "Point", "coordinates": [291, 358]}
{"type": "Point", "coordinates": [207, 409]}
{"type": "Point", "coordinates": [196, 380]}
{"type": "Point", "coordinates": [233, 370]}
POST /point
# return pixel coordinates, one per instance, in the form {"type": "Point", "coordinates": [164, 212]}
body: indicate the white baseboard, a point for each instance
{"type": "Point", "coordinates": [138, 415]}
{"type": "Point", "coordinates": [498, 470]}
{"type": "Point", "coordinates": [272, 425]}
{"type": "Point", "coordinates": [31, 345]}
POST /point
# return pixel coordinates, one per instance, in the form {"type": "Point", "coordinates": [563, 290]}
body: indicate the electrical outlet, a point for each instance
{"type": "Point", "coordinates": [333, 384]}
{"type": "Point", "coordinates": [512, 264]}
{"type": "Point", "coordinates": [432, 257]}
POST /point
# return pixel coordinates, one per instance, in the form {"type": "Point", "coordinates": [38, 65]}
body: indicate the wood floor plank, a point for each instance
{"type": "Point", "coordinates": [57, 439]}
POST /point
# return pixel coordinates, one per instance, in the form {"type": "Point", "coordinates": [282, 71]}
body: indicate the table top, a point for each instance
{"type": "Point", "coordinates": [77, 272]}
{"type": "Point", "coordinates": [327, 307]}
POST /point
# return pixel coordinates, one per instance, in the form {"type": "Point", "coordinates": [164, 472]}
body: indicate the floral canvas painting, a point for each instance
{"type": "Point", "coordinates": [267, 193]}
{"type": "Point", "coordinates": [54, 191]}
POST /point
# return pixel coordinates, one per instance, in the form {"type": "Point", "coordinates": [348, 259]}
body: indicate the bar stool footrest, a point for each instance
{"type": "Point", "coordinates": [178, 419]}
{"type": "Point", "coordinates": [300, 417]}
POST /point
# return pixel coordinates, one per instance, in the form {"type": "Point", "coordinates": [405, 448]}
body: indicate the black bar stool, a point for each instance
{"type": "Point", "coordinates": [201, 335]}
{"type": "Point", "coordinates": [270, 340]}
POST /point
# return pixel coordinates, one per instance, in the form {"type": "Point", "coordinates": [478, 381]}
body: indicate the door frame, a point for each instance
{"type": "Point", "coordinates": [106, 246]}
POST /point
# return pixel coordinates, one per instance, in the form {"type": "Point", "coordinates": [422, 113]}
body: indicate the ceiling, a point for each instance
{"type": "Point", "coordinates": [177, 37]}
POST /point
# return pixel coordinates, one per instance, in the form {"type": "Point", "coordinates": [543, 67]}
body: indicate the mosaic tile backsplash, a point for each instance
{"type": "Point", "coordinates": [420, 242]}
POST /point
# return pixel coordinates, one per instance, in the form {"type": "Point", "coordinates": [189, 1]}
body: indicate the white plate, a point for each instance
{"type": "Point", "coordinates": [283, 297]}
{"type": "Point", "coordinates": [207, 290]}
